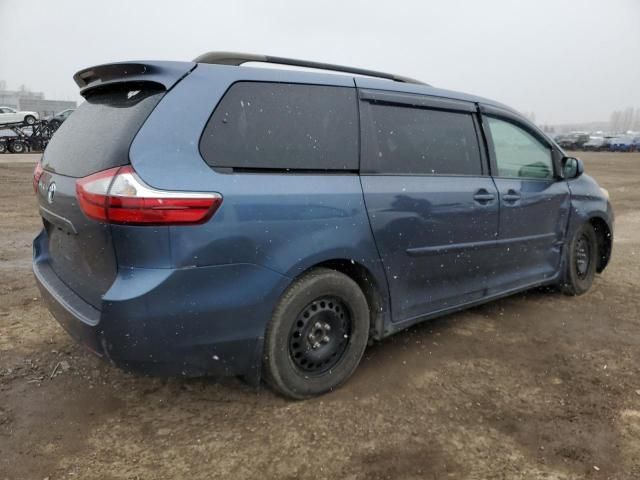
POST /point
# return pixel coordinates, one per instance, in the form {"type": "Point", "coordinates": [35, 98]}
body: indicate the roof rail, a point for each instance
{"type": "Point", "coordinates": [233, 58]}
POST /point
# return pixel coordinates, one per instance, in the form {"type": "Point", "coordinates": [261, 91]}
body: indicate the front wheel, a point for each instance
{"type": "Point", "coordinates": [580, 263]}
{"type": "Point", "coordinates": [317, 334]}
{"type": "Point", "coordinates": [30, 119]}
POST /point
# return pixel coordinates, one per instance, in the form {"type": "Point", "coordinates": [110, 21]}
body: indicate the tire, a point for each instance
{"type": "Point", "coordinates": [580, 261]}
{"type": "Point", "coordinates": [30, 119]}
{"type": "Point", "coordinates": [54, 124]}
{"type": "Point", "coordinates": [302, 356]}
{"type": "Point", "coordinates": [3, 147]}
{"type": "Point", "coordinates": [17, 147]}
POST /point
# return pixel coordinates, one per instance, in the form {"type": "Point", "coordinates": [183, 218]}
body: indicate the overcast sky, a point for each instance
{"type": "Point", "coordinates": [567, 61]}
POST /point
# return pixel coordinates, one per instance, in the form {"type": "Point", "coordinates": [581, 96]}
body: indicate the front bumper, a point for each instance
{"type": "Point", "coordinates": [194, 321]}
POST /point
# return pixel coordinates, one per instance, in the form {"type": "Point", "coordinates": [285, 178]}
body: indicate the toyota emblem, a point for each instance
{"type": "Point", "coordinates": [51, 191]}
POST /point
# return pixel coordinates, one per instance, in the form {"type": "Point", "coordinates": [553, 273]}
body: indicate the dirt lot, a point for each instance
{"type": "Point", "coordinates": [538, 385]}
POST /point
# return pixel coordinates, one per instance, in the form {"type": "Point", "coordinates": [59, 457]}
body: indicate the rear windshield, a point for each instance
{"type": "Point", "coordinates": [99, 133]}
{"type": "Point", "coordinates": [283, 126]}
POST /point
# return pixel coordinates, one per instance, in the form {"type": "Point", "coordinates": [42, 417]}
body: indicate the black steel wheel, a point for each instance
{"type": "Point", "coordinates": [320, 335]}
{"type": "Point", "coordinates": [582, 256]}
{"type": "Point", "coordinates": [317, 334]}
{"type": "Point", "coordinates": [580, 261]}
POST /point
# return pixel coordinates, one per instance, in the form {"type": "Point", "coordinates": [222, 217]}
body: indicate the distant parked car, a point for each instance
{"type": "Point", "coordinates": [11, 115]}
{"type": "Point", "coordinates": [622, 143]}
{"type": "Point", "coordinates": [636, 144]}
{"type": "Point", "coordinates": [595, 143]}
{"type": "Point", "coordinates": [573, 141]}
{"type": "Point", "coordinates": [607, 142]}
{"type": "Point", "coordinates": [56, 120]}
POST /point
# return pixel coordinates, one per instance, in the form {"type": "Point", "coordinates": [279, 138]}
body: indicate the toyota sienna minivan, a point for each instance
{"type": "Point", "coordinates": [212, 218]}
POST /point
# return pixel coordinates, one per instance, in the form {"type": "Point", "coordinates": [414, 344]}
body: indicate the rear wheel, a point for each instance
{"type": "Point", "coordinates": [581, 260]}
{"type": "Point", "coordinates": [30, 119]}
{"type": "Point", "coordinates": [3, 147]}
{"type": "Point", "coordinates": [317, 334]}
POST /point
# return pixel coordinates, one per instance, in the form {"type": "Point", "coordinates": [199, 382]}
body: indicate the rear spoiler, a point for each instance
{"type": "Point", "coordinates": [165, 74]}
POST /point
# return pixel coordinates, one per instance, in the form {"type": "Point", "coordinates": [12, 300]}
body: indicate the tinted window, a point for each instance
{"type": "Point", "coordinates": [398, 139]}
{"type": "Point", "coordinates": [98, 135]}
{"type": "Point", "coordinates": [518, 153]}
{"type": "Point", "coordinates": [283, 126]}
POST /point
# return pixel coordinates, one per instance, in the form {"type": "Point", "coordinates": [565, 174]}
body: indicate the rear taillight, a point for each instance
{"type": "Point", "coordinates": [37, 173]}
{"type": "Point", "coordinates": [118, 195]}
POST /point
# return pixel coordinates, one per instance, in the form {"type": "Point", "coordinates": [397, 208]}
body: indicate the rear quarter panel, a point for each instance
{"type": "Point", "coordinates": [284, 222]}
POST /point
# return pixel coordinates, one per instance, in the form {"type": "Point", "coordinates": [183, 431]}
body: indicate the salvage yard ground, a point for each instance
{"type": "Point", "coordinates": [537, 385]}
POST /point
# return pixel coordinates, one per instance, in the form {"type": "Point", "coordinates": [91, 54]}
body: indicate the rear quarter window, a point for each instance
{"type": "Point", "coordinates": [260, 125]}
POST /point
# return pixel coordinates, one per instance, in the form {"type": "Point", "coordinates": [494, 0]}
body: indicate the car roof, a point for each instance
{"type": "Point", "coordinates": [234, 73]}
{"type": "Point", "coordinates": [364, 78]}
{"type": "Point", "coordinates": [320, 77]}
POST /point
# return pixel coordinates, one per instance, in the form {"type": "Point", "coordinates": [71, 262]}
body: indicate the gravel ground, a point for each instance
{"type": "Point", "coordinates": [537, 385]}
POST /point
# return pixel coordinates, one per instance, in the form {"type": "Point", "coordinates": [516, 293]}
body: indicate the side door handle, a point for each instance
{"type": "Point", "coordinates": [483, 196]}
{"type": "Point", "coordinates": [511, 196]}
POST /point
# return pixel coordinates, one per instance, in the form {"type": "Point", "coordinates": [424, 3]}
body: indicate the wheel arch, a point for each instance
{"type": "Point", "coordinates": [374, 291]}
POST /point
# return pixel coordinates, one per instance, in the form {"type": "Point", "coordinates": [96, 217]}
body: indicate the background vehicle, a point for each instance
{"type": "Point", "coordinates": [56, 120]}
{"type": "Point", "coordinates": [595, 143]}
{"type": "Point", "coordinates": [622, 143]}
{"type": "Point", "coordinates": [23, 137]}
{"type": "Point", "coordinates": [291, 217]}
{"type": "Point", "coordinates": [11, 115]}
{"type": "Point", "coordinates": [573, 140]}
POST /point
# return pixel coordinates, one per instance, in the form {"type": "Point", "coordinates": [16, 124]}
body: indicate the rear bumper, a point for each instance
{"type": "Point", "coordinates": [76, 316]}
{"type": "Point", "coordinates": [194, 321]}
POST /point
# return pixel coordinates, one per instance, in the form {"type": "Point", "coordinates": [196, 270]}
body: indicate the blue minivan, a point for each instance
{"type": "Point", "coordinates": [212, 218]}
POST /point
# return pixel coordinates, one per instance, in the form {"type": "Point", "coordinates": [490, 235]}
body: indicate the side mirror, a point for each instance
{"type": "Point", "coordinates": [572, 167]}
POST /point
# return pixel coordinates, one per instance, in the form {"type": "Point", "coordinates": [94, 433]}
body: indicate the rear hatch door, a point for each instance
{"type": "Point", "coordinates": [96, 137]}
